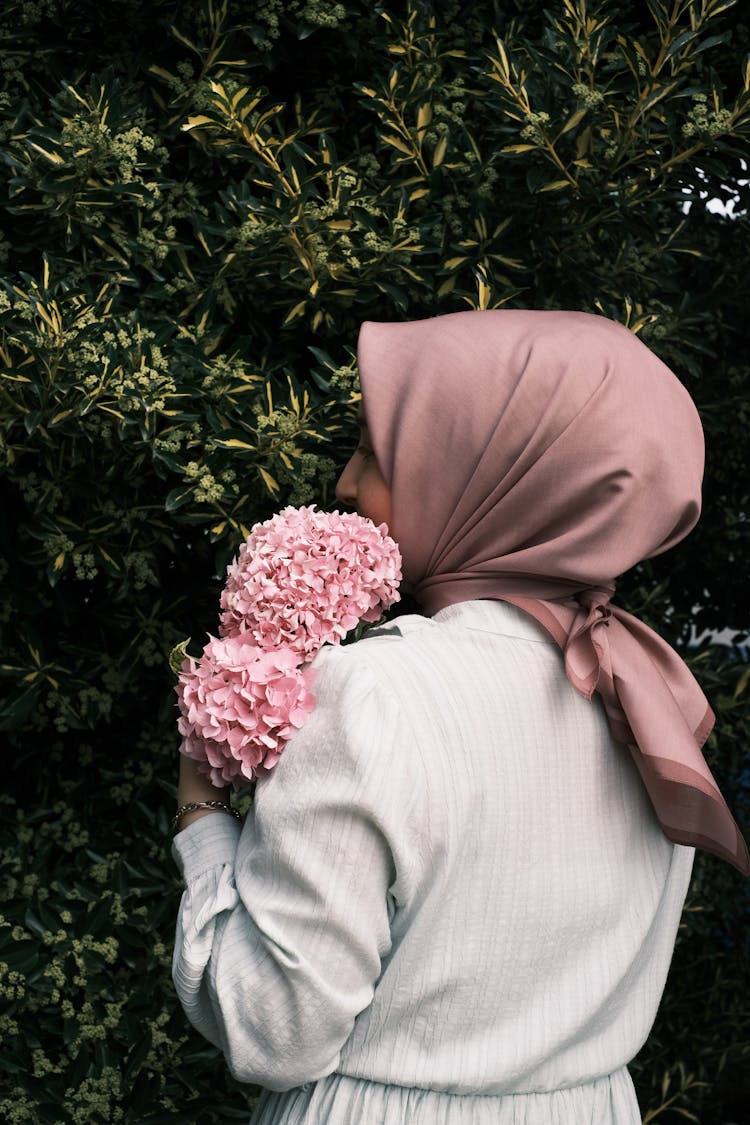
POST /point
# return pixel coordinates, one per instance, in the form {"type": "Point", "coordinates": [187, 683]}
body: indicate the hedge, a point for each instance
{"type": "Point", "coordinates": [199, 204]}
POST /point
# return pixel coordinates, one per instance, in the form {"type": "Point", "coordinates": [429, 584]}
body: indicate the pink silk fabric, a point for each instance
{"type": "Point", "coordinates": [532, 458]}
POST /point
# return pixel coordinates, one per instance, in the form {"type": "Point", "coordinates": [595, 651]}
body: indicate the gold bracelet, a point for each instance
{"type": "Point", "coordinates": [193, 806]}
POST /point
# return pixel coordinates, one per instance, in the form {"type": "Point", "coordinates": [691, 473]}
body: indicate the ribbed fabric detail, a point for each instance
{"type": "Point", "coordinates": [452, 884]}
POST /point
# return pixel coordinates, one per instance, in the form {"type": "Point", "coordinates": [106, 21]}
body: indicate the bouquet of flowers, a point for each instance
{"type": "Point", "coordinates": [301, 580]}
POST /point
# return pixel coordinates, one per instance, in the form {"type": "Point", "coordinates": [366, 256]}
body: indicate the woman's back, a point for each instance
{"type": "Point", "coordinates": [536, 897]}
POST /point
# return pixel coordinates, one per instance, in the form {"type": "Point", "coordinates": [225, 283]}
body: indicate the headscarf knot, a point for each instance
{"type": "Point", "coordinates": [587, 650]}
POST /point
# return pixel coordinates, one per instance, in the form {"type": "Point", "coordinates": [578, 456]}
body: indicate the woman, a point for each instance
{"type": "Point", "coordinates": [457, 895]}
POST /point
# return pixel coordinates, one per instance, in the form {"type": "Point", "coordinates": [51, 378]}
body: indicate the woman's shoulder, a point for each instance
{"type": "Point", "coordinates": [359, 703]}
{"type": "Point", "coordinates": [381, 643]}
{"type": "Point", "coordinates": [348, 672]}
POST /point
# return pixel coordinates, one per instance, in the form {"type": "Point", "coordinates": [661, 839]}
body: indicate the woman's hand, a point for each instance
{"type": "Point", "coordinates": [195, 786]}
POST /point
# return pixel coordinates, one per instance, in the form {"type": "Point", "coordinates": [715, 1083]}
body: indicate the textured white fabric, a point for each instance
{"type": "Point", "coordinates": [452, 896]}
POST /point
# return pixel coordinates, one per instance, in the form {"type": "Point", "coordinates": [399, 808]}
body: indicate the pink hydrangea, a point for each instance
{"type": "Point", "coordinates": [306, 578]}
{"type": "Point", "coordinates": [301, 580]}
{"type": "Point", "coordinates": [239, 705]}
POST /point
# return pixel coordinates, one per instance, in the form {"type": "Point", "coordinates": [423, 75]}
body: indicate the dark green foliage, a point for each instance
{"type": "Point", "coordinates": [199, 204]}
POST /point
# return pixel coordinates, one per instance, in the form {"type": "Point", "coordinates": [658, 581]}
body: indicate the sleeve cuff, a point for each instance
{"type": "Point", "coordinates": [208, 842]}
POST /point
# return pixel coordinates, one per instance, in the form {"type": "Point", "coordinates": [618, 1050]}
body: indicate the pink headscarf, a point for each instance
{"type": "Point", "coordinates": [533, 457]}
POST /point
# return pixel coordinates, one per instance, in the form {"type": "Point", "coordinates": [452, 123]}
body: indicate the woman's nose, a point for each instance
{"type": "Point", "coordinates": [346, 486]}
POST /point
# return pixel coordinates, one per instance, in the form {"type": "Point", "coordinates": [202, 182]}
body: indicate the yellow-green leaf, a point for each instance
{"type": "Point", "coordinates": [194, 122]}
{"type": "Point", "coordinates": [424, 116]}
{"type": "Point", "coordinates": [106, 555]}
{"type": "Point", "coordinates": [511, 263]}
{"type": "Point", "coordinates": [237, 98]}
{"type": "Point", "coordinates": [178, 656]}
{"type": "Point", "coordinates": [438, 155]}
{"type": "Point", "coordinates": [235, 443]}
{"type": "Point", "coordinates": [295, 312]}
{"type": "Point", "coordinates": [389, 139]}
{"type": "Point", "coordinates": [182, 39]}
{"type": "Point", "coordinates": [556, 185]}
{"type": "Point", "coordinates": [717, 8]}
{"type": "Point", "coordinates": [573, 120]}
{"type": "Point", "coordinates": [502, 58]}
{"type": "Point", "coordinates": [54, 157]}
{"type": "Point", "coordinates": [742, 683]}
{"type": "Point", "coordinates": [76, 95]}
{"type": "Point", "coordinates": [160, 72]}
{"type": "Point", "coordinates": [270, 482]}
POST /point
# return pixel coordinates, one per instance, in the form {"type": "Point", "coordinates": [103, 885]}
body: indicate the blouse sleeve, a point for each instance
{"type": "Point", "coordinates": [282, 929]}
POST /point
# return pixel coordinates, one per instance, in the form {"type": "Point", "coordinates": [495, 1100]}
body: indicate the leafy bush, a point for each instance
{"type": "Point", "coordinates": [191, 233]}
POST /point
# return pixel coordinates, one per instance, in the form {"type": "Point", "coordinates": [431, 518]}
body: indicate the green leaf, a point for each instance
{"type": "Point", "coordinates": [657, 94]}
{"type": "Point", "coordinates": [178, 498]}
{"type": "Point", "coordinates": [680, 42]}
{"type": "Point", "coordinates": [178, 655]}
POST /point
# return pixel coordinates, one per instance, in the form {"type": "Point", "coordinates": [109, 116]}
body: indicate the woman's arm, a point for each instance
{"type": "Point", "coordinates": [194, 786]}
{"type": "Point", "coordinates": [280, 938]}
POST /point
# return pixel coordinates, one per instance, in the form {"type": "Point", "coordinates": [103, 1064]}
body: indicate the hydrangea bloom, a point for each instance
{"type": "Point", "coordinates": [239, 705]}
{"type": "Point", "coordinates": [306, 578]}
{"type": "Point", "coordinates": [301, 580]}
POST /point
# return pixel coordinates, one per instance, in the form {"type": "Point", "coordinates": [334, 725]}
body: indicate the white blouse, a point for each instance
{"type": "Point", "coordinates": [452, 885]}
